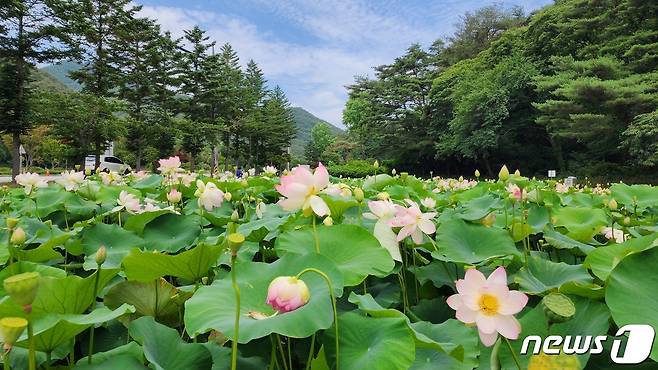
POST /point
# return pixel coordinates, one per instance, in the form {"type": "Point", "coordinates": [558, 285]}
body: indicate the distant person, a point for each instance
{"type": "Point", "coordinates": [238, 173]}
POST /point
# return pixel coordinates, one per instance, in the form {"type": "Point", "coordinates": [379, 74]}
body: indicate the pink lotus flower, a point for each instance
{"type": "Point", "coordinates": [300, 189]}
{"type": "Point", "coordinates": [287, 293]}
{"type": "Point", "coordinates": [413, 222]}
{"type": "Point", "coordinates": [489, 304]}
{"type": "Point", "coordinates": [383, 211]}
{"type": "Point", "coordinates": [127, 201]}
{"type": "Point", "coordinates": [169, 166]}
{"type": "Point", "coordinates": [174, 196]}
{"type": "Point", "coordinates": [516, 192]}
{"type": "Point", "coordinates": [209, 195]}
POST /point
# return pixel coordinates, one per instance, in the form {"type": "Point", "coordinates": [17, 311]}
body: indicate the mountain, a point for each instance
{"type": "Point", "coordinates": [61, 72]}
{"type": "Point", "coordinates": [46, 82]}
{"type": "Point", "coordinates": [305, 121]}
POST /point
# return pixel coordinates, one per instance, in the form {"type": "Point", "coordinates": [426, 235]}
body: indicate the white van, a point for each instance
{"type": "Point", "coordinates": [108, 163]}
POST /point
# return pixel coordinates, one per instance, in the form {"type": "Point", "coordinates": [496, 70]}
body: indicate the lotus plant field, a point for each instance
{"type": "Point", "coordinates": [301, 270]}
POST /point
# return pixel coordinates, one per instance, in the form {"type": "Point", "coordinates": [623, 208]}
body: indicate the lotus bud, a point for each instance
{"type": "Point", "coordinates": [228, 196]}
{"type": "Point", "coordinates": [517, 173]}
{"type": "Point", "coordinates": [22, 288]}
{"type": "Point", "coordinates": [503, 174]}
{"type": "Point", "coordinates": [627, 221]}
{"type": "Point", "coordinates": [174, 196]}
{"type": "Point", "coordinates": [489, 219]}
{"type": "Point", "coordinates": [477, 173]}
{"type": "Point", "coordinates": [11, 329]}
{"type": "Point", "coordinates": [612, 204]}
{"type": "Point", "coordinates": [235, 240]}
{"type": "Point", "coordinates": [376, 164]}
{"type": "Point", "coordinates": [358, 194]}
{"type": "Point", "coordinates": [328, 221]}
{"type": "Point", "coordinates": [393, 172]}
{"type": "Point", "coordinates": [87, 171]}
{"type": "Point", "coordinates": [383, 196]}
{"type": "Point", "coordinates": [287, 293]}
{"type": "Point", "coordinates": [235, 216]}
{"type": "Point", "coordinates": [101, 255]}
{"type": "Point", "coordinates": [12, 222]}
{"type": "Point", "coordinates": [18, 236]}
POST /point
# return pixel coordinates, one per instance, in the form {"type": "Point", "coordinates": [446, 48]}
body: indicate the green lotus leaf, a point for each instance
{"type": "Point", "coordinates": [462, 242]}
{"type": "Point", "coordinates": [354, 250]}
{"type": "Point", "coordinates": [164, 348]}
{"type": "Point", "coordinates": [213, 307]}
{"type": "Point", "coordinates": [384, 343]}
{"type": "Point", "coordinates": [631, 292]}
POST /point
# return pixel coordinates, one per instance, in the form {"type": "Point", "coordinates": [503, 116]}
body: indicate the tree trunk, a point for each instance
{"type": "Point", "coordinates": [15, 155]}
{"type": "Point", "coordinates": [487, 165]}
{"type": "Point", "coordinates": [557, 150]}
{"type": "Point", "coordinates": [97, 161]}
{"type": "Point", "coordinates": [191, 162]}
{"type": "Point", "coordinates": [213, 161]}
{"type": "Point", "coordinates": [138, 160]}
{"type": "Point", "coordinates": [227, 144]}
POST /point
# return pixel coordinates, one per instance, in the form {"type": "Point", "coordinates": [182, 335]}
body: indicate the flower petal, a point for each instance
{"type": "Point", "coordinates": [319, 206]}
{"type": "Point", "coordinates": [514, 303]}
{"type": "Point", "coordinates": [471, 283]}
{"type": "Point", "coordinates": [427, 226]}
{"type": "Point", "coordinates": [499, 276]}
{"type": "Point", "coordinates": [508, 326]}
{"type": "Point", "coordinates": [488, 339]}
{"type": "Point", "coordinates": [486, 323]}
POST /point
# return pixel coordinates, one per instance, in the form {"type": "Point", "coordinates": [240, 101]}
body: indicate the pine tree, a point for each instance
{"type": "Point", "coordinates": [31, 32]}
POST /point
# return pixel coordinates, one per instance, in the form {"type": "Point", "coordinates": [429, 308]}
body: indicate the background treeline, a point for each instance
{"type": "Point", "coordinates": [573, 87]}
{"type": "Point", "coordinates": [152, 94]}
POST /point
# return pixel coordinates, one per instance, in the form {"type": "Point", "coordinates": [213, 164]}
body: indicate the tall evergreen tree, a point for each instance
{"type": "Point", "coordinates": [31, 33]}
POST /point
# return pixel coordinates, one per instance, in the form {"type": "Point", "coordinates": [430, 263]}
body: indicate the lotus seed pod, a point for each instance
{"type": "Point", "coordinates": [552, 362]}
{"type": "Point", "coordinates": [503, 174]}
{"type": "Point", "coordinates": [235, 240]}
{"type": "Point", "coordinates": [612, 204]}
{"type": "Point", "coordinates": [11, 329]}
{"type": "Point", "coordinates": [403, 175]}
{"type": "Point", "coordinates": [18, 236]}
{"type": "Point", "coordinates": [12, 222]}
{"type": "Point", "coordinates": [101, 255]}
{"type": "Point", "coordinates": [22, 288]}
{"type": "Point", "coordinates": [558, 307]}
{"type": "Point", "coordinates": [87, 171]}
{"type": "Point", "coordinates": [477, 173]}
{"type": "Point", "coordinates": [358, 194]}
{"type": "Point", "coordinates": [328, 221]}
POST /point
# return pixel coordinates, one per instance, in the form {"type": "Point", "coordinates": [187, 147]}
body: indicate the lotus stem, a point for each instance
{"type": "Point", "coordinates": [315, 236]}
{"type": "Point", "coordinates": [283, 355]}
{"type": "Point", "coordinates": [494, 362]}
{"type": "Point", "coordinates": [310, 353]}
{"type": "Point", "coordinates": [5, 359]}
{"type": "Point", "coordinates": [333, 304]}
{"type": "Point", "coordinates": [91, 330]}
{"type": "Point", "coordinates": [32, 361]}
{"type": "Point", "coordinates": [511, 350]}
{"type": "Point", "coordinates": [236, 327]}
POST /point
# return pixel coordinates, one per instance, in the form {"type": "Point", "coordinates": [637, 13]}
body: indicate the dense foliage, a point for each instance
{"type": "Point", "coordinates": [546, 91]}
{"type": "Point", "coordinates": [150, 93]}
{"type": "Point", "coordinates": [144, 269]}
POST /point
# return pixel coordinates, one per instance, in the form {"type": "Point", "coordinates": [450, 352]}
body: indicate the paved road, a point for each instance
{"type": "Point", "coordinates": [7, 179]}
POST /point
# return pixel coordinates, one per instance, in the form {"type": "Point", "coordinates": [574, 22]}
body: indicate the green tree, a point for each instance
{"type": "Point", "coordinates": [31, 32]}
{"type": "Point", "coordinates": [321, 139]}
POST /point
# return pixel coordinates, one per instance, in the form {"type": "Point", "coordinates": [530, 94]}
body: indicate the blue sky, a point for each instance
{"type": "Point", "coordinates": [313, 48]}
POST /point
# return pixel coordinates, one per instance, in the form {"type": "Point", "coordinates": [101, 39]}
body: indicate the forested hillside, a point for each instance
{"type": "Point", "coordinates": [571, 87]}
{"type": "Point", "coordinates": [304, 122]}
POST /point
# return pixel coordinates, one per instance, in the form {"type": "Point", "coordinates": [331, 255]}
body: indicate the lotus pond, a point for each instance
{"type": "Point", "coordinates": [305, 271]}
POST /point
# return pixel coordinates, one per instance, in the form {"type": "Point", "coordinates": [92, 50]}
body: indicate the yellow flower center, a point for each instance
{"type": "Point", "coordinates": [489, 304]}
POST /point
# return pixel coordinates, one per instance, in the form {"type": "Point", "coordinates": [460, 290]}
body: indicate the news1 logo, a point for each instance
{"type": "Point", "coordinates": [638, 345]}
